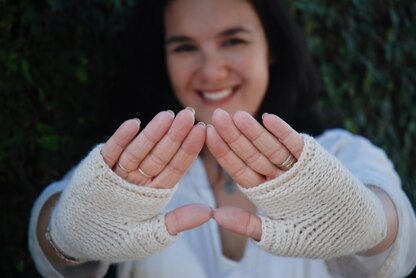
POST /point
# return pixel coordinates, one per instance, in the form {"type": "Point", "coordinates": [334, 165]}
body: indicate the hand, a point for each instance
{"type": "Point", "coordinates": [317, 210]}
{"type": "Point", "coordinates": [250, 154]}
{"type": "Point", "coordinates": [163, 151]}
{"type": "Point", "coordinates": [110, 209]}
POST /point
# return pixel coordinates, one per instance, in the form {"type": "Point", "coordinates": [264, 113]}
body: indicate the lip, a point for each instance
{"type": "Point", "coordinates": [217, 96]}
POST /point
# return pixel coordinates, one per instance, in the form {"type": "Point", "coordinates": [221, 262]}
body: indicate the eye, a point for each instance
{"type": "Point", "coordinates": [233, 41]}
{"type": "Point", "coordinates": [184, 48]}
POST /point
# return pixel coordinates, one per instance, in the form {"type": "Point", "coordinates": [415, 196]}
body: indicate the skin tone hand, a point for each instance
{"type": "Point", "coordinates": [164, 150]}
{"type": "Point", "coordinates": [158, 157]}
{"type": "Point", "coordinates": [251, 153]}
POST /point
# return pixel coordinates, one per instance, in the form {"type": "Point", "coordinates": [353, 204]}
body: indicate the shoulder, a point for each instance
{"type": "Point", "coordinates": [338, 137]}
{"type": "Point", "coordinates": [341, 142]}
{"type": "Point", "coordinates": [365, 160]}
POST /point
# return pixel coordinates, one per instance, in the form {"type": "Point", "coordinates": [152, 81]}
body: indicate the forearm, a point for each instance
{"type": "Point", "coordinates": [392, 222]}
{"type": "Point", "coordinates": [43, 222]}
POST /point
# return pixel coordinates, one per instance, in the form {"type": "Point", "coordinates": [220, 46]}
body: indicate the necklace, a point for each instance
{"type": "Point", "coordinates": [222, 176]}
{"type": "Point", "coordinates": [229, 185]}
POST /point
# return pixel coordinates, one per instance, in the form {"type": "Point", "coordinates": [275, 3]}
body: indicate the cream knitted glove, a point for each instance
{"type": "Point", "coordinates": [100, 216]}
{"type": "Point", "coordinates": [317, 209]}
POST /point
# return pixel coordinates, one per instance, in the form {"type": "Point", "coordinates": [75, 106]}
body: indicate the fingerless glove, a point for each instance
{"type": "Point", "coordinates": [317, 209]}
{"type": "Point", "coordinates": [100, 216]}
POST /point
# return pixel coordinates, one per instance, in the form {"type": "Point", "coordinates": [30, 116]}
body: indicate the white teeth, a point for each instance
{"type": "Point", "coordinates": [217, 95]}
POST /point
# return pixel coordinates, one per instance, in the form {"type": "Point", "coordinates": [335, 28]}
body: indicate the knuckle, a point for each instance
{"type": "Point", "coordinates": [222, 153]}
{"type": "Point", "coordinates": [276, 156]}
{"type": "Point", "coordinates": [235, 138]}
{"type": "Point", "coordinates": [131, 156]}
{"type": "Point", "coordinates": [118, 140]}
{"type": "Point", "coordinates": [239, 172]}
{"type": "Point", "coordinates": [189, 151]}
{"type": "Point", "coordinates": [157, 160]}
{"type": "Point", "coordinates": [258, 136]}
{"type": "Point", "coordinates": [175, 170]}
{"type": "Point", "coordinates": [253, 157]}
{"type": "Point", "coordinates": [150, 137]}
{"type": "Point", "coordinates": [286, 135]}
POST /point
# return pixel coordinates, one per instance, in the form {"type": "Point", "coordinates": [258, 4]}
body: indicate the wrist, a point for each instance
{"type": "Point", "coordinates": [60, 254]}
{"type": "Point", "coordinates": [41, 230]}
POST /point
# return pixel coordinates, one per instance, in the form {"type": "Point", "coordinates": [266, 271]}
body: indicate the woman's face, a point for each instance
{"type": "Point", "coordinates": [217, 55]}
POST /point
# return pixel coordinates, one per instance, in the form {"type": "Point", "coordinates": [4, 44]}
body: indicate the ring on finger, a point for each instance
{"type": "Point", "coordinates": [144, 174]}
{"type": "Point", "coordinates": [288, 163]}
{"type": "Point", "coordinates": [124, 169]}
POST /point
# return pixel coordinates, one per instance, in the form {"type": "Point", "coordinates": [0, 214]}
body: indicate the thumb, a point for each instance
{"type": "Point", "coordinates": [187, 217]}
{"type": "Point", "coordinates": [239, 221]}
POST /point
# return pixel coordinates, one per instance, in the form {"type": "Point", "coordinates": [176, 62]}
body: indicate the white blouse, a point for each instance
{"type": "Point", "coordinates": [197, 253]}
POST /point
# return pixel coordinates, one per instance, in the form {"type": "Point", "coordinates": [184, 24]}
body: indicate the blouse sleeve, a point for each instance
{"type": "Point", "coordinates": [43, 265]}
{"type": "Point", "coordinates": [371, 166]}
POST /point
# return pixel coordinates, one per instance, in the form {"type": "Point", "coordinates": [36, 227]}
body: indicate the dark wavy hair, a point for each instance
{"type": "Point", "coordinates": [144, 88]}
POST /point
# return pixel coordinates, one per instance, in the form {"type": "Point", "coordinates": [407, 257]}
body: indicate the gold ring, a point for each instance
{"type": "Point", "coordinates": [288, 163]}
{"type": "Point", "coordinates": [144, 174]}
{"type": "Point", "coordinates": [122, 168]}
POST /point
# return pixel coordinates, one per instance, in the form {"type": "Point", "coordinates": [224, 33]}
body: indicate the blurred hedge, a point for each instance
{"type": "Point", "coordinates": [59, 59]}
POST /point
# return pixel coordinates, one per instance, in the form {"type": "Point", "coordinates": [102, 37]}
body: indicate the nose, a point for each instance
{"type": "Point", "coordinates": [213, 67]}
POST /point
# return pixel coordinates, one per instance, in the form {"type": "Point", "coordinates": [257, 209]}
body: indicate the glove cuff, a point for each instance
{"type": "Point", "coordinates": [318, 209]}
{"type": "Point", "coordinates": [102, 216]}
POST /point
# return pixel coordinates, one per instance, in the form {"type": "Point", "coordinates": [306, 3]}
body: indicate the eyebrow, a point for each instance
{"type": "Point", "coordinates": [225, 33]}
{"type": "Point", "coordinates": [177, 39]}
{"type": "Point", "coordinates": [233, 31]}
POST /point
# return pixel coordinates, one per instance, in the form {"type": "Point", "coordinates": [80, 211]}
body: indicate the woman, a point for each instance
{"type": "Point", "coordinates": [325, 207]}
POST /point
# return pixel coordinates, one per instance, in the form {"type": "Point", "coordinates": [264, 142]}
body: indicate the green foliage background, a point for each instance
{"type": "Point", "coordinates": [58, 59]}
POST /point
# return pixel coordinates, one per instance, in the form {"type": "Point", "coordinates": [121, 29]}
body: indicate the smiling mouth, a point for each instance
{"type": "Point", "coordinates": [219, 95]}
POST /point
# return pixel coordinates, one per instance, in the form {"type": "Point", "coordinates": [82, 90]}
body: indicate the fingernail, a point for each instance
{"type": "Point", "coordinates": [201, 124]}
{"type": "Point", "coordinates": [219, 110]}
{"type": "Point", "coordinates": [172, 113]}
{"type": "Point", "coordinates": [209, 125]}
{"type": "Point", "coordinates": [191, 109]}
{"type": "Point", "coordinates": [212, 211]}
{"type": "Point", "coordinates": [264, 115]}
{"type": "Point", "coordinates": [138, 121]}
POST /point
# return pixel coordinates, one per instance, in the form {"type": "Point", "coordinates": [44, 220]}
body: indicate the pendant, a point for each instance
{"type": "Point", "coordinates": [229, 185]}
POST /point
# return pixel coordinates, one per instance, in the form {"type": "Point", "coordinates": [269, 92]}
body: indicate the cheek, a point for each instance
{"type": "Point", "coordinates": [180, 72]}
{"type": "Point", "coordinates": [253, 65]}
{"type": "Point", "coordinates": [177, 78]}
{"type": "Point", "coordinates": [257, 72]}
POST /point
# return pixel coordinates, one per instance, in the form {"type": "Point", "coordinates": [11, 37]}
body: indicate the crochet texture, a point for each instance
{"type": "Point", "coordinates": [100, 216]}
{"type": "Point", "coordinates": [318, 209]}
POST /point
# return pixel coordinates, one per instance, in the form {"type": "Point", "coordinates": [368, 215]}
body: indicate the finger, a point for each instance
{"type": "Point", "coordinates": [115, 145]}
{"type": "Point", "coordinates": [267, 143]}
{"type": "Point", "coordinates": [232, 164]}
{"type": "Point", "coordinates": [183, 159]}
{"type": "Point", "coordinates": [289, 137]}
{"type": "Point", "coordinates": [134, 153]}
{"type": "Point", "coordinates": [187, 217]}
{"type": "Point", "coordinates": [241, 145]}
{"type": "Point", "coordinates": [166, 148]}
{"type": "Point", "coordinates": [239, 221]}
